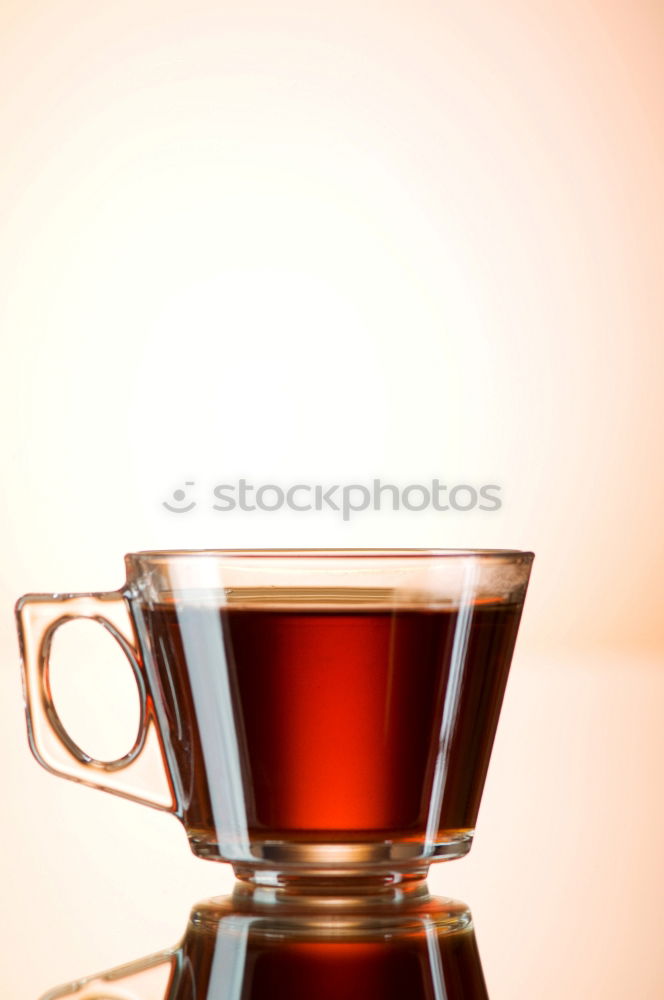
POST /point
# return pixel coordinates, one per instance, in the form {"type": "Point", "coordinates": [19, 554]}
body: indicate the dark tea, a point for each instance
{"type": "Point", "coordinates": [332, 711]}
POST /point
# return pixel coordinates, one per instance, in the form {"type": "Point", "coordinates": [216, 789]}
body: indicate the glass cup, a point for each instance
{"type": "Point", "coordinates": [421, 949]}
{"type": "Point", "coordinates": [308, 715]}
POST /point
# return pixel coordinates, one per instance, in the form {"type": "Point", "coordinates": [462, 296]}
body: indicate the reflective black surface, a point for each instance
{"type": "Point", "coordinates": [273, 945]}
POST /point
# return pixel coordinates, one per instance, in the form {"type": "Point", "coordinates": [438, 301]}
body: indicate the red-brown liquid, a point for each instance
{"type": "Point", "coordinates": [405, 967]}
{"type": "Point", "coordinates": [339, 715]}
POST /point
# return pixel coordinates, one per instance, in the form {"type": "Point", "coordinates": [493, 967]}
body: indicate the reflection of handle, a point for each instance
{"type": "Point", "coordinates": [147, 979]}
{"type": "Point", "coordinates": [139, 774]}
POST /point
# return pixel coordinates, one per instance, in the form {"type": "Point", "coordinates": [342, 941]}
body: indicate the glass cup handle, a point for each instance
{"type": "Point", "coordinates": [140, 774]}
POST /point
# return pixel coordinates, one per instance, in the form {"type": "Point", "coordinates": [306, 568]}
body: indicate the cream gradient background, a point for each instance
{"type": "Point", "coordinates": [327, 242]}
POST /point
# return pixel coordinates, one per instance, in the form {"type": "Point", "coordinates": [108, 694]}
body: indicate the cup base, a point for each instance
{"type": "Point", "coordinates": [359, 866]}
{"type": "Point", "coordinates": [334, 883]}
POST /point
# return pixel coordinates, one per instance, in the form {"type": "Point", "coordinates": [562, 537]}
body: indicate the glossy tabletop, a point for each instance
{"type": "Point", "coordinates": [564, 881]}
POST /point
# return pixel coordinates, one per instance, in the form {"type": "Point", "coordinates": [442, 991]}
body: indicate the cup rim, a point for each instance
{"type": "Point", "coordinates": [332, 553]}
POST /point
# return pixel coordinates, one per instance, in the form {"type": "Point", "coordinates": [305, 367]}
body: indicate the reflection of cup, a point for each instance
{"type": "Point", "coordinates": [421, 949]}
{"type": "Point", "coordinates": [320, 712]}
